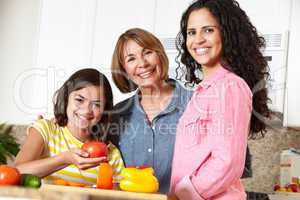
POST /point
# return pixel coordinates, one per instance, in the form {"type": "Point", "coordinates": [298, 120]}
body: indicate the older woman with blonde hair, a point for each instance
{"type": "Point", "coordinates": [146, 122]}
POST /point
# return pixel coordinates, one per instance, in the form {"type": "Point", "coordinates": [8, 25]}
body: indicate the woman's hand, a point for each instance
{"type": "Point", "coordinates": [80, 159]}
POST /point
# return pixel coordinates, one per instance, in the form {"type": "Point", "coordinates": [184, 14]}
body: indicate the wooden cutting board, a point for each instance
{"type": "Point", "coordinates": [98, 194]}
{"type": "Point", "coordinates": [22, 193]}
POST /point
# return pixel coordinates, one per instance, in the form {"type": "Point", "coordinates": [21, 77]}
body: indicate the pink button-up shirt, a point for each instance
{"type": "Point", "coordinates": [211, 140]}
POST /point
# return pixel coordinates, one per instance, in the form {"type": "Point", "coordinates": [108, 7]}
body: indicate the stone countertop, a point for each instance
{"type": "Point", "coordinates": [266, 158]}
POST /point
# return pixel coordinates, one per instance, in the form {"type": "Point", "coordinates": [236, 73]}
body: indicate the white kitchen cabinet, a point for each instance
{"type": "Point", "coordinates": [292, 106]}
{"type": "Point", "coordinates": [64, 43]}
{"type": "Point", "coordinates": [112, 19]}
{"type": "Point", "coordinates": [18, 47]}
{"type": "Point", "coordinates": [64, 35]}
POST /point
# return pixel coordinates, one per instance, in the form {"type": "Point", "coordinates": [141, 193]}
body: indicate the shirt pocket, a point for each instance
{"type": "Point", "coordinates": [196, 130]}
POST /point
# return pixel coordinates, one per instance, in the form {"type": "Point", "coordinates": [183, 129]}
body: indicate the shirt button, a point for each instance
{"type": "Point", "coordinates": [149, 150]}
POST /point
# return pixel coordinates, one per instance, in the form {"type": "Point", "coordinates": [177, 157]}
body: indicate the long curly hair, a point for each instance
{"type": "Point", "coordinates": [241, 53]}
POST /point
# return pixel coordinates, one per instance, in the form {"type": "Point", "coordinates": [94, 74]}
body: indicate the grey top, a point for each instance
{"type": "Point", "coordinates": [150, 143]}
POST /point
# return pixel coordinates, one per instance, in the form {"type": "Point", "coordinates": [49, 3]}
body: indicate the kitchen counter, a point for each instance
{"type": "Point", "coordinates": [21, 193]}
{"type": "Point", "coordinates": [284, 196]}
{"type": "Point", "coordinates": [57, 192]}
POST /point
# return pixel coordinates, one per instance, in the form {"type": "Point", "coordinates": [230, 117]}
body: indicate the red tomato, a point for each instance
{"type": "Point", "coordinates": [9, 175]}
{"type": "Point", "coordinates": [95, 149]}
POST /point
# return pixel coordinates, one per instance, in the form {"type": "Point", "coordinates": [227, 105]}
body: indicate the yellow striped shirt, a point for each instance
{"type": "Point", "coordinates": [59, 139]}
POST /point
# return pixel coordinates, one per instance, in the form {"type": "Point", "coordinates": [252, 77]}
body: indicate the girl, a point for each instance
{"type": "Point", "coordinates": [53, 149]}
{"type": "Point", "coordinates": [217, 38]}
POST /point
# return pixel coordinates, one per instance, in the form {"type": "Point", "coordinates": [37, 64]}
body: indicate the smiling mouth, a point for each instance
{"type": "Point", "coordinates": [81, 117]}
{"type": "Point", "coordinates": [201, 51]}
{"type": "Point", "coordinates": [146, 74]}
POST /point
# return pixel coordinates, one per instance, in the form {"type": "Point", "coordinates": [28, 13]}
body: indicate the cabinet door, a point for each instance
{"type": "Point", "coordinates": [292, 107]}
{"type": "Point", "coordinates": [18, 31]}
{"type": "Point", "coordinates": [114, 18]}
{"type": "Point", "coordinates": [66, 33]}
{"type": "Point", "coordinates": [167, 17]}
{"type": "Point", "coordinates": [64, 44]}
{"type": "Point", "coordinates": [167, 25]}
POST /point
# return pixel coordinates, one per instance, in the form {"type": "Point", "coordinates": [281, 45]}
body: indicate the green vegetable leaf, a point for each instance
{"type": "Point", "coordinates": [8, 145]}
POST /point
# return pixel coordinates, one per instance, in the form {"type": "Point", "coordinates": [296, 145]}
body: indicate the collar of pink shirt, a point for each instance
{"type": "Point", "coordinates": [210, 80]}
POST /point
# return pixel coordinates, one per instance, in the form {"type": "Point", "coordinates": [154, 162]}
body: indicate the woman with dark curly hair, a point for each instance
{"type": "Point", "coordinates": [229, 104]}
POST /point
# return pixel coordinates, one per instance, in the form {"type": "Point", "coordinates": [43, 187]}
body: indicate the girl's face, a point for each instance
{"type": "Point", "coordinates": [204, 41]}
{"type": "Point", "coordinates": [85, 107]}
{"type": "Point", "coordinates": [142, 65]}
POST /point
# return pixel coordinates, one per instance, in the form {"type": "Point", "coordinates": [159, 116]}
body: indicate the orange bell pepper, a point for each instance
{"type": "Point", "coordinates": [105, 177]}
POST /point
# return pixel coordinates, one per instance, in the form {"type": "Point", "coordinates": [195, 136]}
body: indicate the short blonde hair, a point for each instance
{"type": "Point", "coordinates": [146, 40]}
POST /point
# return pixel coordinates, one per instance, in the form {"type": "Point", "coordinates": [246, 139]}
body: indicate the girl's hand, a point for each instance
{"type": "Point", "coordinates": [80, 159]}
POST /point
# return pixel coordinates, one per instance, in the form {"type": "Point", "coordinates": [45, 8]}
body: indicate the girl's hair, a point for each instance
{"type": "Point", "coordinates": [146, 40]}
{"type": "Point", "coordinates": [81, 79]}
{"type": "Point", "coordinates": [240, 54]}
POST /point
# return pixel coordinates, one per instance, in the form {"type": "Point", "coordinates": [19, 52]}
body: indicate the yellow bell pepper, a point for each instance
{"type": "Point", "coordinates": [139, 180]}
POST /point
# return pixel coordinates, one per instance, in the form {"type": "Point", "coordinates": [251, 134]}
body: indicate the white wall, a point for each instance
{"type": "Point", "coordinates": [112, 19]}
{"type": "Point", "coordinates": [43, 41]}
{"type": "Point", "coordinates": [268, 15]}
{"type": "Point", "coordinates": [65, 44]}
{"type": "Point", "coordinates": [292, 114]}
{"type": "Point", "coordinates": [276, 16]}
{"type": "Point", "coordinates": [18, 33]}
